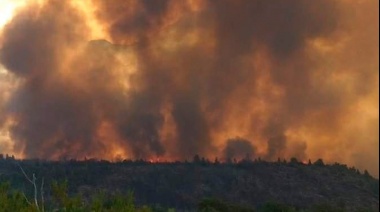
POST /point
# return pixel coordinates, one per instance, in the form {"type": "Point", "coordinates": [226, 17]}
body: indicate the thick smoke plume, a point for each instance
{"type": "Point", "coordinates": [239, 149]}
{"type": "Point", "coordinates": [171, 79]}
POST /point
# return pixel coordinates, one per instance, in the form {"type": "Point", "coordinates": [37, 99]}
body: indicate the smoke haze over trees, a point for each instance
{"type": "Point", "coordinates": [169, 79]}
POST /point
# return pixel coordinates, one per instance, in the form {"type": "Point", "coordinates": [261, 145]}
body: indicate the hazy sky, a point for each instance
{"type": "Point", "coordinates": [172, 78]}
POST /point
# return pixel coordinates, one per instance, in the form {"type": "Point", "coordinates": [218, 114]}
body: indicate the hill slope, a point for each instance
{"type": "Point", "coordinates": [184, 185]}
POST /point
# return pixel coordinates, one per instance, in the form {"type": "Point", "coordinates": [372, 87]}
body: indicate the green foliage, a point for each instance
{"type": "Point", "coordinates": [13, 200]}
{"type": "Point", "coordinates": [98, 201]}
{"type": "Point", "coordinates": [122, 203]}
{"type": "Point", "coordinates": [60, 195]}
{"type": "Point", "coordinates": [59, 191]}
{"type": "Point", "coordinates": [61, 201]}
{"type": "Point", "coordinates": [212, 205]}
{"type": "Point", "coordinates": [16, 201]}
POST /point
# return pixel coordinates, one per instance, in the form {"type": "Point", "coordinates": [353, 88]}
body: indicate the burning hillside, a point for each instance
{"type": "Point", "coordinates": [169, 79]}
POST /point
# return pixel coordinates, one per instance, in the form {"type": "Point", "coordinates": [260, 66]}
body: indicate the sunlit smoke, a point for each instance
{"type": "Point", "coordinates": [166, 79]}
{"type": "Point", "coordinates": [7, 8]}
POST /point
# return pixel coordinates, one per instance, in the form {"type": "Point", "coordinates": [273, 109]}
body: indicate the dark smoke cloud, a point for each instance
{"type": "Point", "coordinates": [239, 26]}
{"type": "Point", "coordinates": [239, 148]}
{"type": "Point", "coordinates": [204, 69]}
{"type": "Point", "coordinates": [54, 117]}
{"type": "Point", "coordinates": [30, 47]}
{"type": "Point", "coordinates": [299, 150]}
{"type": "Point", "coordinates": [192, 126]}
{"type": "Point", "coordinates": [276, 146]}
{"type": "Point", "coordinates": [43, 105]}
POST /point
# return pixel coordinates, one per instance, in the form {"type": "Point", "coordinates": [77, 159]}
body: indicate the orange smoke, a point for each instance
{"type": "Point", "coordinates": [166, 79]}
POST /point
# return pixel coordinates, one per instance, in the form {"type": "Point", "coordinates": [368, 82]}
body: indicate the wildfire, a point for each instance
{"type": "Point", "coordinates": [165, 80]}
{"type": "Point", "coordinates": [7, 8]}
{"type": "Point", "coordinates": [154, 160]}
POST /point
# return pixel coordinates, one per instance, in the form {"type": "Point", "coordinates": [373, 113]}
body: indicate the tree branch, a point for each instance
{"type": "Point", "coordinates": [26, 176]}
{"type": "Point", "coordinates": [35, 191]}
{"type": "Point", "coordinates": [33, 182]}
{"type": "Point", "coordinates": [26, 199]}
{"type": "Point", "coordinates": [42, 195]}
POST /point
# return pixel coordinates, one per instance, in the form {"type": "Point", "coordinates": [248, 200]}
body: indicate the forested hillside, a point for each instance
{"type": "Point", "coordinates": [184, 185]}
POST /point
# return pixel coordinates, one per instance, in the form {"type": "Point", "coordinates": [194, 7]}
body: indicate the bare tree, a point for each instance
{"type": "Point", "coordinates": [34, 183]}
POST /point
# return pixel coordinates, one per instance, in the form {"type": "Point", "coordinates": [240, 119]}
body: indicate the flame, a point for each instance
{"type": "Point", "coordinates": [7, 9]}
{"type": "Point", "coordinates": [154, 160]}
{"type": "Point", "coordinates": [88, 9]}
{"type": "Point", "coordinates": [185, 61]}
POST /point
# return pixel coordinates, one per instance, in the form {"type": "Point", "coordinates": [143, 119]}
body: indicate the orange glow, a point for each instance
{"type": "Point", "coordinates": [154, 160]}
{"type": "Point", "coordinates": [165, 80]}
{"type": "Point", "coordinates": [7, 8]}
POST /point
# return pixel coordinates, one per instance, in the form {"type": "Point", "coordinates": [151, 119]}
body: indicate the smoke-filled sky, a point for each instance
{"type": "Point", "coordinates": [172, 78]}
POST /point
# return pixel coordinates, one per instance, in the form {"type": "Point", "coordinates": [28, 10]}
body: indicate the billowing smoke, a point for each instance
{"type": "Point", "coordinates": [171, 79]}
{"type": "Point", "coordinates": [239, 148]}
